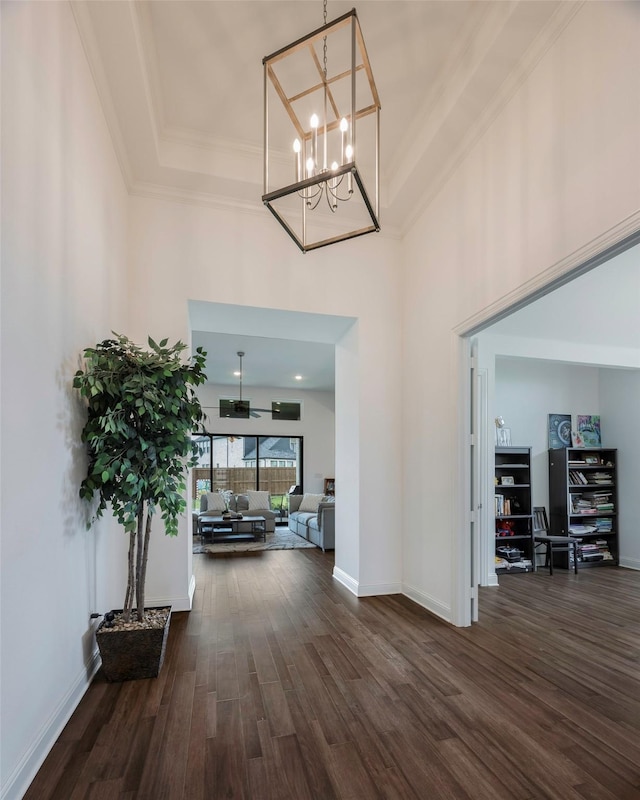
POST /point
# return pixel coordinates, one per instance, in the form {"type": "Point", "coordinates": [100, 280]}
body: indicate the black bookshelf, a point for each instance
{"type": "Point", "coordinates": [513, 511]}
{"type": "Point", "coordinates": [583, 504]}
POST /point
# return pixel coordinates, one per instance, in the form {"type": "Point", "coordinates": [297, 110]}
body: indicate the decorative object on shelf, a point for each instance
{"type": "Point", "coordinates": [507, 480]}
{"type": "Point", "coordinates": [589, 429]}
{"type": "Point", "coordinates": [311, 111]}
{"type": "Point", "coordinates": [141, 410]}
{"type": "Point", "coordinates": [559, 431]}
{"type": "Point", "coordinates": [503, 434]}
{"type": "Point", "coordinates": [576, 439]}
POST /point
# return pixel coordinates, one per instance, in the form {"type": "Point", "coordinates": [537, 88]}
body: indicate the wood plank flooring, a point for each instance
{"type": "Point", "coordinates": [280, 685]}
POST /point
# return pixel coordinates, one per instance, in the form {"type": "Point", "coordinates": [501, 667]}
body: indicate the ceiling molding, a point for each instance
{"type": "Point", "coordinates": [221, 202]}
{"type": "Point", "coordinates": [585, 258]}
{"type": "Point", "coordinates": [563, 15]}
{"type": "Point", "coordinates": [80, 11]}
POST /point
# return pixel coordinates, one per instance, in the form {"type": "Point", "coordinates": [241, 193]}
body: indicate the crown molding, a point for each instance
{"type": "Point", "coordinates": [600, 249]}
{"type": "Point", "coordinates": [155, 191]}
{"type": "Point", "coordinates": [543, 42]}
{"type": "Point", "coordinates": [81, 15]}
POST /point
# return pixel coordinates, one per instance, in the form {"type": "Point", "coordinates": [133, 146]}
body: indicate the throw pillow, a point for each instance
{"type": "Point", "coordinates": [310, 502]}
{"type": "Point", "coordinates": [258, 501]}
{"type": "Point", "coordinates": [215, 501]}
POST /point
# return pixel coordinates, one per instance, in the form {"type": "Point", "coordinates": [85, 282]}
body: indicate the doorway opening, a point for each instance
{"type": "Point", "coordinates": [586, 320]}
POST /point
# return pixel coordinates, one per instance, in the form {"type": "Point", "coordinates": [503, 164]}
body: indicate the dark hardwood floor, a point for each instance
{"type": "Point", "coordinates": [280, 685]}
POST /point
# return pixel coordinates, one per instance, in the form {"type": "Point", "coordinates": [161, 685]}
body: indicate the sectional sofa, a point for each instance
{"type": "Point", "coordinates": [317, 526]}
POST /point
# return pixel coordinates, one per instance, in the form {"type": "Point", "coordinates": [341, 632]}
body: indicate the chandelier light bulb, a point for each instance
{"type": "Point", "coordinates": [310, 166]}
{"type": "Point", "coordinates": [344, 125]}
{"type": "Point", "coordinates": [334, 166]}
{"type": "Point", "coordinates": [314, 138]}
{"type": "Point", "coordinates": [348, 151]}
{"type": "Point", "coordinates": [297, 147]}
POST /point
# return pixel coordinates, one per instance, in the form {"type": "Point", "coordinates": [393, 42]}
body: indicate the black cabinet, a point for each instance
{"type": "Point", "coordinates": [583, 503]}
{"type": "Point", "coordinates": [513, 512]}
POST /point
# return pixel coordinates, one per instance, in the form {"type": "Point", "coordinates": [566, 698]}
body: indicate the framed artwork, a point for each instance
{"type": "Point", "coordinates": [503, 437]}
{"type": "Point", "coordinates": [559, 431]}
{"type": "Point", "coordinates": [507, 480]}
{"type": "Point", "coordinates": [589, 429]}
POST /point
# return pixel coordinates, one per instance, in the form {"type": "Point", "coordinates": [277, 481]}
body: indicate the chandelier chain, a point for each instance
{"type": "Point", "coordinates": [324, 6]}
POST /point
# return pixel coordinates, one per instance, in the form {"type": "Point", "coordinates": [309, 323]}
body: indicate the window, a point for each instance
{"type": "Point", "coordinates": [282, 410]}
{"type": "Point", "coordinates": [240, 463]}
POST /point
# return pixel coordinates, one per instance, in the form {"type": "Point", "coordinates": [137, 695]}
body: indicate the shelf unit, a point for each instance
{"type": "Point", "coordinates": [329, 487]}
{"type": "Point", "coordinates": [513, 511]}
{"type": "Point", "coordinates": [583, 503]}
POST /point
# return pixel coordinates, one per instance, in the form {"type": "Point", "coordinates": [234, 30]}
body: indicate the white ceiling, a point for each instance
{"type": "Point", "coordinates": [601, 307]}
{"type": "Point", "coordinates": [267, 362]}
{"type": "Point", "coordinates": [181, 83]}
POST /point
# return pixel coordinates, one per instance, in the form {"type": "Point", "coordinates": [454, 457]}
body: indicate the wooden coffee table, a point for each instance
{"type": "Point", "coordinates": [229, 528]}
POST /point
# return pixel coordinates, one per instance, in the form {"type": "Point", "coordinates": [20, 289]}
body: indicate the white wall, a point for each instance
{"type": "Point", "coordinates": [317, 425]}
{"type": "Point", "coordinates": [64, 228]}
{"type": "Point", "coordinates": [555, 176]}
{"type": "Point", "coordinates": [526, 392]}
{"type": "Point", "coordinates": [620, 398]}
{"type": "Point", "coordinates": [184, 252]}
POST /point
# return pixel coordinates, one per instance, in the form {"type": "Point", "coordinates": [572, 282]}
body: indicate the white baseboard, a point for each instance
{"type": "Point", "coordinates": [176, 603]}
{"type": "Point", "coordinates": [493, 580]}
{"type": "Point", "coordinates": [346, 580]}
{"type": "Point", "coordinates": [365, 590]}
{"type": "Point", "coordinates": [20, 779]}
{"type": "Point", "coordinates": [430, 603]}
{"type": "Point", "coordinates": [372, 589]}
{"type": "Point", "coordinates": [630, 563]}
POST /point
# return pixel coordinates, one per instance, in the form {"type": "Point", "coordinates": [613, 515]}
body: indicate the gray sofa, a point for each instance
{"type": "Point", "coordinates": [318, 526]}
{"type": "Point", "coordinates": [240, 503]}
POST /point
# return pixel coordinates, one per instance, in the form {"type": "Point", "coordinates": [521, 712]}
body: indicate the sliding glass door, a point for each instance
{"type": "Point", "coordinates": [240, 463]}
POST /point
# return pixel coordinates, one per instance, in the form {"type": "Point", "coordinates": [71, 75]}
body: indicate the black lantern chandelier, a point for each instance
{"type": "Point", "coordinates": [315, 173]}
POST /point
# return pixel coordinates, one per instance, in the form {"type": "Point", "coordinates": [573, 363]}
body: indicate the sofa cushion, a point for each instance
{"type": "Point", "coordinates": [304, 517]}
{"type": "Point", "coordinates": [215, 502]}
{"type": "Point", "coordinates": [258, 501]}
{"type": "Point", "coordinates": [310, 502]}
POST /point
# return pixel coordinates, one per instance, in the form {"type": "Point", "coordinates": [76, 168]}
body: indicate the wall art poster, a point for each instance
{"type": "Point", "coordinates": [589, 429]}
{"type": "Point", "coordinates": [559, 431]}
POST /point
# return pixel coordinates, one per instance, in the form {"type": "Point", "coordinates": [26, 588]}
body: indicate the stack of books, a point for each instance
{"type": "Point", "coordinates": [594, 503]}
{"type": "Point", "coordinates": [595, 551]}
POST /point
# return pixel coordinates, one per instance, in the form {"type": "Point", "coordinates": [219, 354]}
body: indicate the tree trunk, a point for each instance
{"type": "Point", "coordinates": [128, 598]}
{"type": "Point", "coordinates": [143, 566]}
{"type": "Point", "coordinates": [139, 584]}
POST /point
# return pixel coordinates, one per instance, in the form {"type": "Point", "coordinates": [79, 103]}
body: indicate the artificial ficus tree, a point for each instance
{"type": "Point", "coordinates": [141, 411]}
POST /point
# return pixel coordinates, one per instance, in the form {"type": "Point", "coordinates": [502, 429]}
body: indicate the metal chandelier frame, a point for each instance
{"type": "Point", "coordinates": [338, 183]}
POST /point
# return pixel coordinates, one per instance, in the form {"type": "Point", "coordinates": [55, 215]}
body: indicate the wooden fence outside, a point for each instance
{"type": "Point", "coordinates": [275, 480]}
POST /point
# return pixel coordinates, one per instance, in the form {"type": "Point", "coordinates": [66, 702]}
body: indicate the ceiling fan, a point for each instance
{"type": "Point", "coordinates": [241, 409]}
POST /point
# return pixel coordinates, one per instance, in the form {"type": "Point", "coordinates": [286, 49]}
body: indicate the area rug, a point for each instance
{"type": "Point", "coordinates": [280, 539]}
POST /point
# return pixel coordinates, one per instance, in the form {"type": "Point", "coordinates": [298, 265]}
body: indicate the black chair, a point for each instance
{"type": "Point", "coordinates": [552, 543]}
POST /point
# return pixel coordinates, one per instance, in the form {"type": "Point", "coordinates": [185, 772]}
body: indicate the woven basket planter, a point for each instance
{"type": "Point", "coordinates": [129, 655]}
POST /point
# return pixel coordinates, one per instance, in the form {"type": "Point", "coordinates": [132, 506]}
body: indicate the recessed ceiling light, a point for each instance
{"type": "Point", "coordinates": [237, 374]}
{"type": "Point", "coordinates": [298, 377]}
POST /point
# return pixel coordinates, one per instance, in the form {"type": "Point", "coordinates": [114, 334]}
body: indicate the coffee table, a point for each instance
{"type": "Point", "coordinates": [231, 527]}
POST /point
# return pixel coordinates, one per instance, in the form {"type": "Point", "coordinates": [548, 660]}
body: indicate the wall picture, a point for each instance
{"type": "Point", "coordinates": [559, 431]}
{"type": "Point", "coordinates": [589, 429]}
